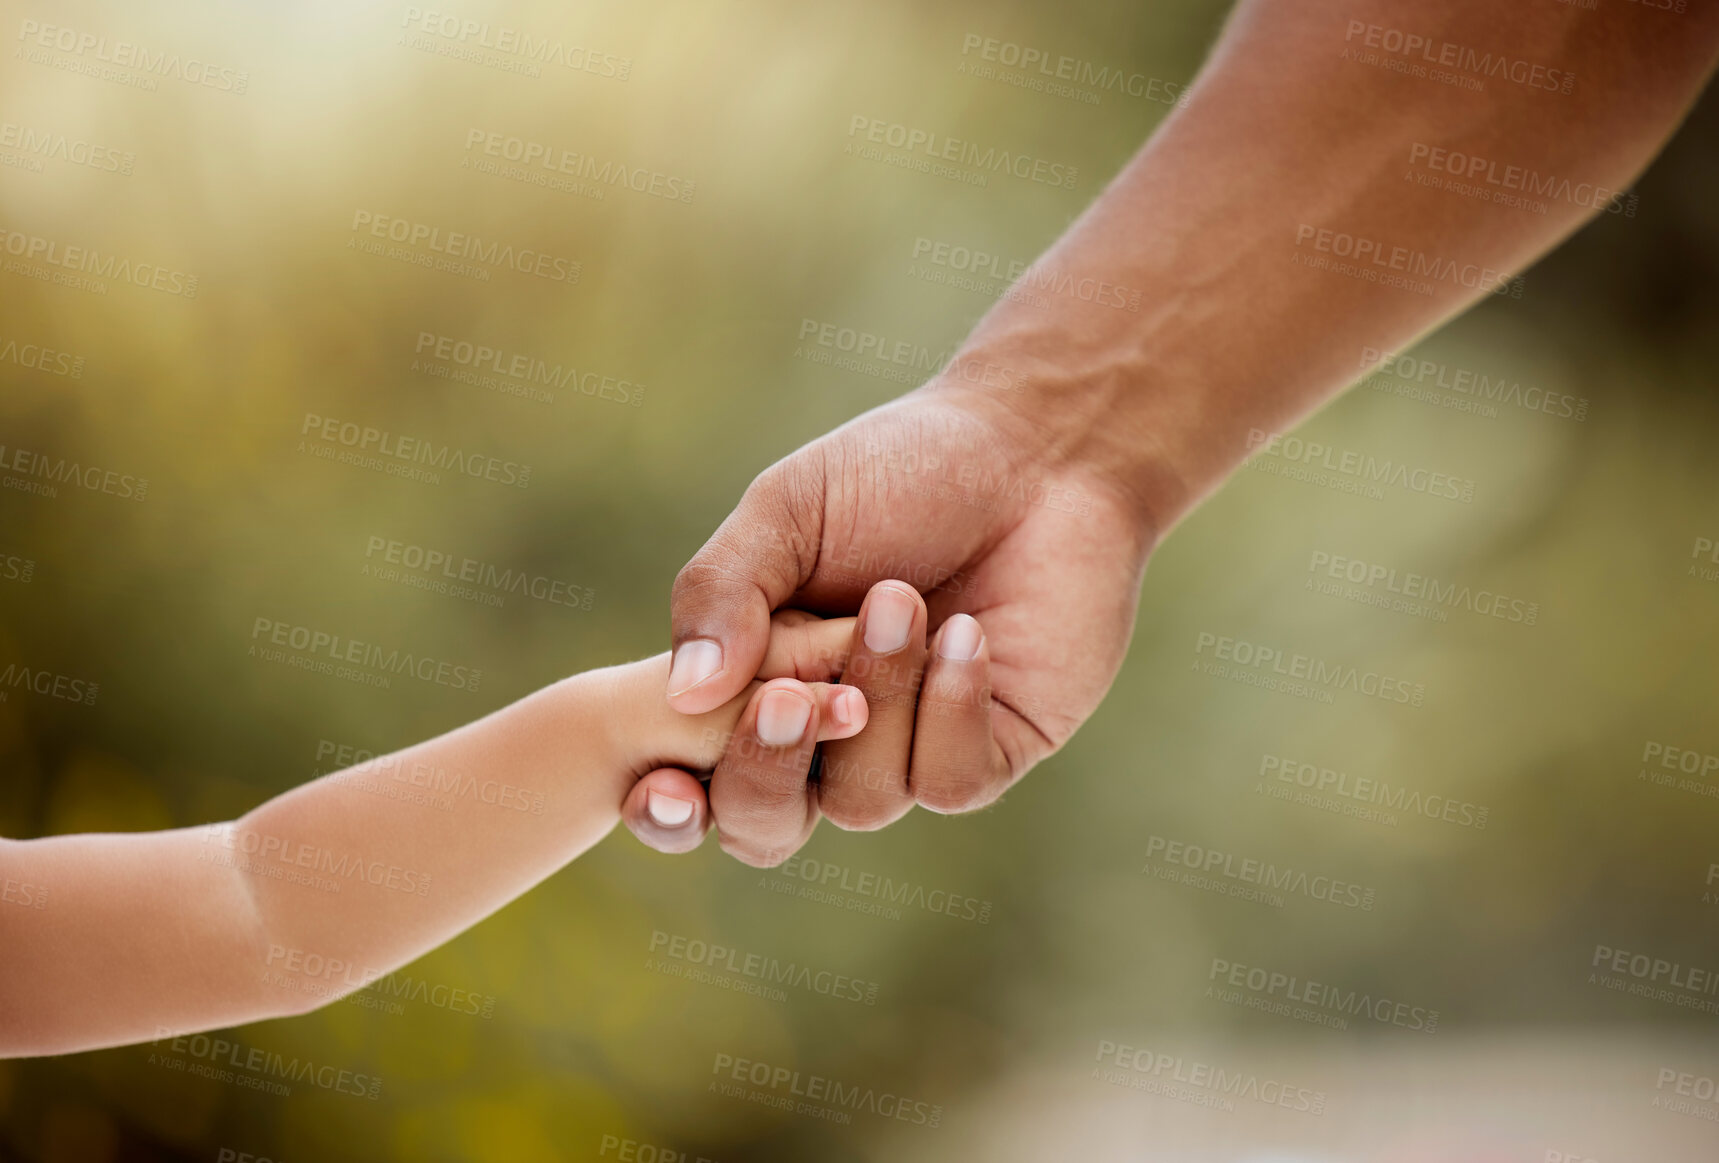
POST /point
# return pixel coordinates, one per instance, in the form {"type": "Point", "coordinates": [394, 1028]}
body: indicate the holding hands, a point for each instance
{"type": "Point", "coordinates": [1026, 616]}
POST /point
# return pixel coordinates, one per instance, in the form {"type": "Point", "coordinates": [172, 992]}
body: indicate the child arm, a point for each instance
{"type": "Point", "coordinates": [333, 884]}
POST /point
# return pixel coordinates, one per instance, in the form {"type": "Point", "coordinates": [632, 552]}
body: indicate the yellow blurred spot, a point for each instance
{"type": "Point", "coordinates": [542, 1120]}
{"type": "Point", "coordinates": [96, 792]}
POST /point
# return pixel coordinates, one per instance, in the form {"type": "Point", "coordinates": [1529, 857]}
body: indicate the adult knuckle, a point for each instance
{"type": "Point", "coordinates": [752, 854]}
{"type": "Point", "coordinates": [957, 791]}
{"type": "Point", "coordinates": [709, 570]}
{"type": "Point", "coordinates": [949, 694]}
{"type": "Point", "coordinates": [852, 777]}
{"type": "Point", "coordinates": [759, 810]}
{"type": "Point", "coordinates": [857, 813]}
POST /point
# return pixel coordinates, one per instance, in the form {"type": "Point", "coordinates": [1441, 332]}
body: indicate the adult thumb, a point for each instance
{"type": "Point", "coordinates": [753, 563]}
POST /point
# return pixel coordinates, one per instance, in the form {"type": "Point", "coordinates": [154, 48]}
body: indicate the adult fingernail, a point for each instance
{"type": "Point", "coordinates": [960, 639]}
{"type": "Point", "coordinates": [782, 718]}
{"type": "Point", "coordinates": [667, 811]}
{"type": "Point", "coordinates": [888, 620]}
{"type": "Point", "coordinates": [847, 707]}
{"type": "Point", "coordinates": [696, 660]}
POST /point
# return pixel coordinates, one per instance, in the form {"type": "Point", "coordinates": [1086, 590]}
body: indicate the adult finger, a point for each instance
{"type": "Point", "coordinates": [764, 807]}
{"type": "Point", "coordinates": [863, 783]}
{"type": "Point", "coordinates": [957, 765]}
{"type": "Point", "coordinates": [755, 561]}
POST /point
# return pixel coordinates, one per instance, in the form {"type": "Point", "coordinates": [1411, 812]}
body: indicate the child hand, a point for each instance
{"type": "Point", "coordinates": [805, 651]}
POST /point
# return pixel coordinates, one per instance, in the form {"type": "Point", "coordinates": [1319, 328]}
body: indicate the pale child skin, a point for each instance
{"type": "Point", "coordinates": [126, 936]}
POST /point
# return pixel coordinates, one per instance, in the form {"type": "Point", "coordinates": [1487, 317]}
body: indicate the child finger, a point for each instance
{"type": "Point", "coordinates": [806, 647]}
{"type": "Point", "coordinates": [844, 711]}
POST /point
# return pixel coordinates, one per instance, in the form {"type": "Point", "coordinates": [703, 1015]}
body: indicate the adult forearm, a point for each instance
{"type": "Point", "coordinates": [1339, 183]}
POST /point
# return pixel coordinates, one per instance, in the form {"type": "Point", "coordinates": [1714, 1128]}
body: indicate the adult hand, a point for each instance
{"type": "Point", "coordinates": [1251, 261]}
{"type": "Point", "coordinates": [955, 494]}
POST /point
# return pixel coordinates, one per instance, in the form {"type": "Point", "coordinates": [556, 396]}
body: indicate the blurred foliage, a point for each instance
{"type": "Point", "coordinates": [701, 302]}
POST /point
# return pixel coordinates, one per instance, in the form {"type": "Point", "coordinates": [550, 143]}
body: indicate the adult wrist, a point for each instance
{"type": "Point", "coordinates": [1081, 420]}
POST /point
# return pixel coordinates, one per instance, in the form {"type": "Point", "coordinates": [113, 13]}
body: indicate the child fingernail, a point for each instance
{"type": "Point", "coordinates": [667, 811]}
{"type": "Point", "coordinates": [695, 660]}
{"type": "Point", "coordinates": [888, 620]}
{"type": "Point", "coordinates": [960, 639]}
{"type": "Point", "coordinates": [782, 718]}
{"type": "Point", "coordinates": [847, 708]}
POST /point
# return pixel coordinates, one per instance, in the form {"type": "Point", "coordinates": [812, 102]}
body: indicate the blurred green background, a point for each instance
{"type": "Point", "coordinates": [353, 109]}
